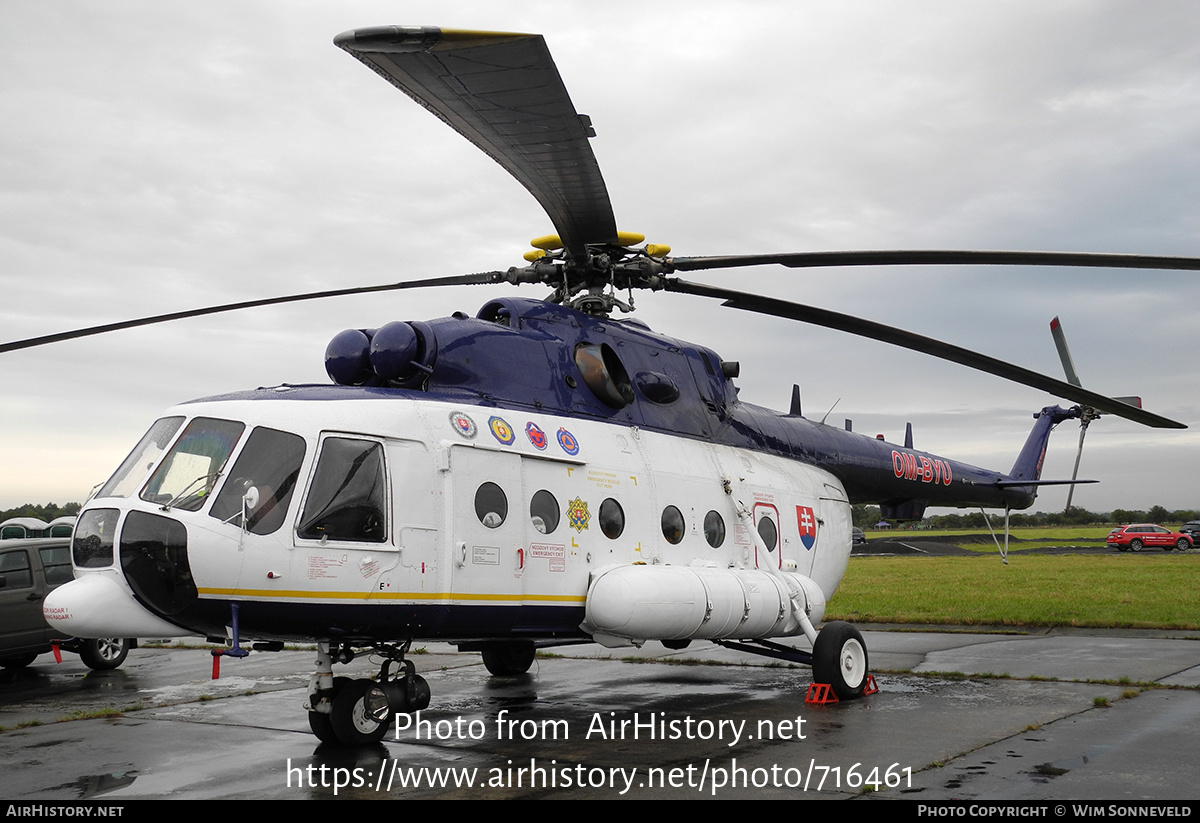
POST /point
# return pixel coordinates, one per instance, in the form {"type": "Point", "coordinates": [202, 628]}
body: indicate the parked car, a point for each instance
{"type": "Point", "coordinates": [29, 570]}
{"type": "Point", "coordinates": [1192, 530]}
{"type": "Point", "coordinates": [1142, 535]}
{"type": "Point", "coordinates": [857, 536]}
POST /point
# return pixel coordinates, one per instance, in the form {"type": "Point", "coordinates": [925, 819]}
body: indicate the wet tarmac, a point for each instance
{"type": "Point", "coordinates": [1062, 714]}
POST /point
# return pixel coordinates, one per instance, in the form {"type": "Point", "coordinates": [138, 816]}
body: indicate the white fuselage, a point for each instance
{"type": "Point", "coordinates": [450, 541]}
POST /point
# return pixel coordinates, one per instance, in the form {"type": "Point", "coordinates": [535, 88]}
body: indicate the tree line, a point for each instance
{"type": "Point", "coordinates": [45, 513]}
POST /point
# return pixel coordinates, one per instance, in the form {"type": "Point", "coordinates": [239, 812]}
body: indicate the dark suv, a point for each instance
{"type": "Point", "coordinates": [29, 569]}
{"type": "Point", "coordinates": [1192, 530]}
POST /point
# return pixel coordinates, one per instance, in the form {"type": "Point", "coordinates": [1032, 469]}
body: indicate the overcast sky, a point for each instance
{"type": "Point", "coordinates": [159, 156]}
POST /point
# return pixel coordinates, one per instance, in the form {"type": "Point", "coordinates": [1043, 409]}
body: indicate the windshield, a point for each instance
{"type": "Point", "coordinates": [127, 479]}
{"type": "Point", "coordinates": [189, 472]}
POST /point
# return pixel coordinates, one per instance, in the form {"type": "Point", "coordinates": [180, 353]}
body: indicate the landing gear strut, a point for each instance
{"type": "Point", "coordinates": [839, 657]}
{"type": "Point", "coordinates": [357, 712]}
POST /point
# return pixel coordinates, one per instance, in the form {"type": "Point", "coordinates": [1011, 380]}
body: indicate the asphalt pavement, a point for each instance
{"type": "Point", "coordinates": [1054, 714]}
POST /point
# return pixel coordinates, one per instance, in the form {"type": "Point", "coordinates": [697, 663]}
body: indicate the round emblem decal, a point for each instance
{"type": "Point", "coordinates": [568, 442]}
{"type": "Point", "coordinates": [536, 436]}
{"type": "Point", "coordinates": [501, 430]}
{"type": "Point", "coordinates": [462, 424]}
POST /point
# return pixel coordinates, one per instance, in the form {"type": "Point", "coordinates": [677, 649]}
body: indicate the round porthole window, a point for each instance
{"type": "Point", "coordinates": [612, 518]}
{"type": "Point", "coordinates": [672, 525]}
{"type": "Point", "coordinates": [714, 529]}
{"type": "Point", "coordinates": [491, 506]}
{"type": "Point", "coordinates": [768, 533]}
{"type": "Point", "coordinates": [544, 512]}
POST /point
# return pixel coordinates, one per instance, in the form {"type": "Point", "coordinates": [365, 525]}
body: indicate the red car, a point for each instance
{"type": "Point", "coordinates": [1146, 534]}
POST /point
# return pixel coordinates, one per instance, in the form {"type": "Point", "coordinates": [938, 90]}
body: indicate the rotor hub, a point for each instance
{"type": "Point", "coordinates": [589, 282]}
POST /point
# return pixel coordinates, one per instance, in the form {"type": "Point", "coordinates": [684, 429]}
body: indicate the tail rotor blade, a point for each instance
{"type": "Point", "coordinates": [1064, 354]}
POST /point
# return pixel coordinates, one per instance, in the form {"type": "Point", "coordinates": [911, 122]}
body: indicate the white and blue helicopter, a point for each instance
{"type": "Point", "coordinates": [543, 472]}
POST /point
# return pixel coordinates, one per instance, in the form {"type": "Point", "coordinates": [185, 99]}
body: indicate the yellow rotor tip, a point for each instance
{"type": "Point", "coordinates": [549, 242]}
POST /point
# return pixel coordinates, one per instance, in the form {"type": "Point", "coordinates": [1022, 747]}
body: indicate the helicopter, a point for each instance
{"type": "Point", "coordinates": [543, 471]}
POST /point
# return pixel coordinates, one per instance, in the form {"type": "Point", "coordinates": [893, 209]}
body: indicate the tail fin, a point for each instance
{"type": "Point", "coordinates": [1029, 462]}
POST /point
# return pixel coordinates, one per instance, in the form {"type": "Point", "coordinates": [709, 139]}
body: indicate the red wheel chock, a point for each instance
{"type": "Point", "coordinates": [822, 693]}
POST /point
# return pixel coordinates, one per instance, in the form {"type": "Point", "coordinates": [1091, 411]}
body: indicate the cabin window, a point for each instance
{"type": "Point", "coordinates": [128, 478]}
{"type": "Point", "coordinates": [612, 518]}
{"type": "Point", "coordinates": [544, 512]}
{"type": "Point", "coordinates": [269, 465]}
{"type": "Point", "coordinates": [714, 529]}
{"type": "Point", "coordinates": [15, 571]}
{"type": "Point", "coordinates": [672, 525]}
{"type": "Point", "coordinates": [92, 544]}
{"type": "Point", "coordinates": [768, 533]}
{"type": "Point", "coordinates": [56, 563]}
{"type": "Point", "coordinates": [348, 496]}
{"type": "Point", "coordinates": [190, 470]}
{"type": "Point", "coordinates": [491, 505]}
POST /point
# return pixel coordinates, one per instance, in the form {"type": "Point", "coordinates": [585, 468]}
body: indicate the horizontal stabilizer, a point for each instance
{"type": "Point", "coordinates": [1007, 483]}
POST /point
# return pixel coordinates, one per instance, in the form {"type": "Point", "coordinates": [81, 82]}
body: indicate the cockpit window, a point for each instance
{"type": "Point", "coordinates": [189, 472]}
{"type": "Point", "coordinates": [348, 496]}
{"type": "Point", "coordinates": [263, 478]}
{"type": "Point", "coordinates": [127, 479]}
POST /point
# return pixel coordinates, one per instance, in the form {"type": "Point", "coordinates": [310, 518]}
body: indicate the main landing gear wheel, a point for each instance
{"type": "Point", "coordinates": [508, 659]}
{"type": "Point", "coordinates": [104, 653]}
{"type": "Point", "coordinates": [360, 714]}
{"type": "Point", "coordinates": [840, 659]}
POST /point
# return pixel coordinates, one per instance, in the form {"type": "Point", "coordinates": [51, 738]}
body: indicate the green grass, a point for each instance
{"type": "Point", "coordinates": [1123, 591]}
{"type": "Point", "coordinates": [84, 714]}
{"type": "Point", "coordinates": [1048, 533]}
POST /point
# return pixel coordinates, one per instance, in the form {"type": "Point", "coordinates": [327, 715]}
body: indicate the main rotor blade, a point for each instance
{"type": "Point", "coordinates": [938, 257]}
{"type": "Point", "coordinates": [453, 280]}
{"type": "Point", "coordinates": [925, 345]}
{"type": "Point", "coordinates": [504, 94]}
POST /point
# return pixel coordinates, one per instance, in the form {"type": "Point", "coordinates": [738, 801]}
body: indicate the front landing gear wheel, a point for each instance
{"type": "Point", "coordinates": [508, 659]}
{"type": "Point", "coordinates": [360, 713]}
{"type": "Point", "coordinates": [840, 659]}
{"type": "Point", "coordinates": [322, 724]}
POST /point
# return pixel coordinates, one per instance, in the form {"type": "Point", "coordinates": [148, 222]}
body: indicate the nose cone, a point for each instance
{"type": "Point", "coordinates": [97, 605]}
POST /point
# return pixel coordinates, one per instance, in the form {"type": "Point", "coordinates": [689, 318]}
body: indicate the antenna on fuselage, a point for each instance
{"type": "Point", "coordinates": [831, 408]}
